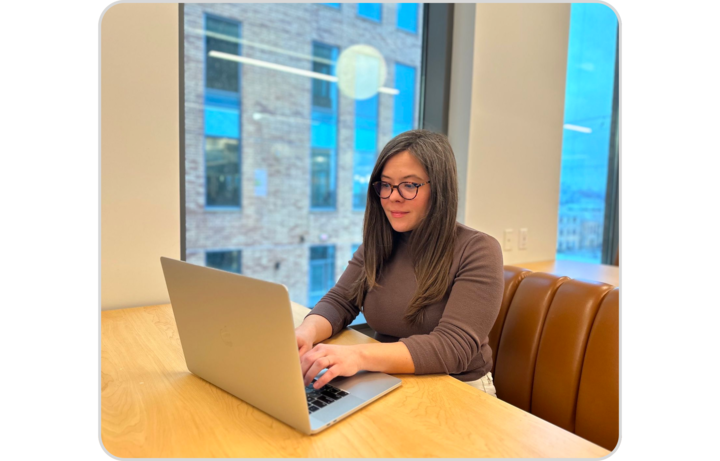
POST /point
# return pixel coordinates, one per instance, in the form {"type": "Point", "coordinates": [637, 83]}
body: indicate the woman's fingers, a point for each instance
{"type": "Point", "coordinates": [307, 360]}
{"type": "Point", "coordinates": [316, 367]}
{"type": "Point", "coordinates": [332, 372]}
{"type": "Point", "coordinates": [303, 349]}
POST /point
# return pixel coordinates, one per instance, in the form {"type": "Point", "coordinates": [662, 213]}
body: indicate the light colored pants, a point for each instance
{"type": "Point", "coordinates": [485, 384]}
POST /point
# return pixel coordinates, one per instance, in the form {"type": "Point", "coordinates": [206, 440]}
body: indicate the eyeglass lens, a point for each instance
{"type": "Point", "coordinates": [407, 190]}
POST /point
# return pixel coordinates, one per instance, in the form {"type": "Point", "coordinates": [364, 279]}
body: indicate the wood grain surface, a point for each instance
{"type": "Point", "coordinates": [152, 406]}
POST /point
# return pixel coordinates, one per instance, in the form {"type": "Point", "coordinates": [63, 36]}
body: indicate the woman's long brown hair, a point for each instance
{"type": "Point", "coordinates": [432, 241]}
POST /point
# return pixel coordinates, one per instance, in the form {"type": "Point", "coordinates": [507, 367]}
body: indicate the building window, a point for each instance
{"type": "Point", "coordinates": [222, 36]}
{"type": "Point", "coordinates": [230, 261]}
{"type": "Point", "coordinates": [331, 5]}
{"type": "Point", "coordinates": [323, 179]}
{"type": "Point", "coordinates": [222, 115]}
{"type": "Point", "coordinates": [404, 103]}
{"type": "Point", "coordinates": [324, 126]}
{"type": "Point", "coordinates": [222, 172]}
{"type": "Point", "coordinates": [407, 16]}
{"type": "Point", "coordinates": [322, 272]}
{"type": "Point", "coordinates": [370, 10]}
{"type": "Point", "coordinates": [366, 140]}
{"type": "Point", "coordinates": [324, 93]}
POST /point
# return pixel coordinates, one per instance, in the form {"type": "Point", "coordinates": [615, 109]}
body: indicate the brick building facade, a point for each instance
{"type": "Point", "coordinates": [274, 227]}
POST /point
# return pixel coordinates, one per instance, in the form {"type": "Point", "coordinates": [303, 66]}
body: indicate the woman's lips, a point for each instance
{"type": "Point", "coordinates": [398, 214]}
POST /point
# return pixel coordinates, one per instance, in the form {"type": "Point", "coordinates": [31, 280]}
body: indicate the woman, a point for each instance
{"type": "Point", "coordinates": [430, 287]}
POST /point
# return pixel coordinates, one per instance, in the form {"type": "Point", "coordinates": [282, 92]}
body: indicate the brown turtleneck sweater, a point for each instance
{"type": "Point", "coordinates": [453, 337]}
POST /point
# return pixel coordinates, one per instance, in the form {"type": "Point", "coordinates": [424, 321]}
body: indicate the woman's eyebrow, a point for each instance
{"type": "Point", "coordinates": [404, 177]}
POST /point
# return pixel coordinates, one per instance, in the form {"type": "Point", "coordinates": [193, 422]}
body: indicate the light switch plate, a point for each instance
{"type": "Point", "coordinates": [508, 238]}
{"type": "Point", "coordinates": [522, 239]}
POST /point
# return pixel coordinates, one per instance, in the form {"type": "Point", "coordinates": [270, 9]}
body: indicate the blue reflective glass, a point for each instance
{"type": "Point", "coordinates": [364, 161]}
{"type": "Point", "coordinates": [323, 131]}
{"type": "Point", "coordinates": [331, 5]}
{"type": "Point", "coordinates": [404, 102]}
{"type": "Point", "coordinates": [586, 131]}
{"type": "Point", "coordinates": [370, 10]}
{"type": "Point", "coordinates": [223, 122]}
{"type": "Point", "coordinates": [407, 16]}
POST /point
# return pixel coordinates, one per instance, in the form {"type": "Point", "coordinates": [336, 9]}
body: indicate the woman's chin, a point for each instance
{"type": "Point", "coordinates": [400, 227]}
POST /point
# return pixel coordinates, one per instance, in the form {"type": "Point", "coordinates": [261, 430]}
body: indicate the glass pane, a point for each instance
{"type": "Point", "coordinates": [364, 163]}
{"type": "Point", "coordinates": [230, 261]}
{"type": "Point", "coordinates": [287, 123]}
{"type": "Point", "coordinates": [222, 172]}
{"type": "Point", "coordinates": [222, 36]}
{"type": "Point", "coordinates": [322, 270]}
{"type": "Point", "coordinates": [407, 16]}
{"type": "Point", "coordinates": [370, 10]}
{"type": "Point", "coordinates": [404, 108]}
{"type": "Point", "coordinates": [586, 131]}
{"type": "Point", "coordinates": [323, 191]}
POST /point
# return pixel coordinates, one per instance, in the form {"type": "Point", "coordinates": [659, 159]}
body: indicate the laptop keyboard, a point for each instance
{"type": "Point", "coordinates": [319, 398]}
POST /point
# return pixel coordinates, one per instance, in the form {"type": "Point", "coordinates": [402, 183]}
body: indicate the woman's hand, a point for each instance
{"type": "Point", "coordinates": [313, 329]}
{"type": "Point", "coordinates": [339, 360]}
{"type": "Point", "coordinates": [305, 338]}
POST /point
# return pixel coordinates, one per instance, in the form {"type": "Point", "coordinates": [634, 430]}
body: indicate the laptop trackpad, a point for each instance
{"type": "Point", "coordinates": [366, 385]}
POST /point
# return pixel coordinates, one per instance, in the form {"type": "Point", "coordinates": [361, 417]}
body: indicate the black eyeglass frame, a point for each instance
{"type": "Point", "coordinates": [397, 186]}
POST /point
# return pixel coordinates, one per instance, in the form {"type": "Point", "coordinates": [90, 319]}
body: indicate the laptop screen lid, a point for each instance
{"type": "Point", "coordinates": [238, 333]}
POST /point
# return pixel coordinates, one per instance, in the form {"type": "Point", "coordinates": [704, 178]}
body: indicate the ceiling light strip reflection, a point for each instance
{"type": "Point", "coordinates": [270, 65]}
{"type": "Point", "coordinates": [291, 70]}
{"type": "Point", "coordinates": [581, 129]}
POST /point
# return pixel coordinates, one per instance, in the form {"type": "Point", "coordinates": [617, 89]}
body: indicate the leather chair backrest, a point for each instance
{"type": "Point", "coordinates": [556, 352]}
{"type": "Point", "coordinates": [562, 351]}
{"type": "Point", "coordinates": [513, 277]}
{"type": "Point", "coordinates": [598, 405]}
{"type": "Point", "coordinates": [520, 338]}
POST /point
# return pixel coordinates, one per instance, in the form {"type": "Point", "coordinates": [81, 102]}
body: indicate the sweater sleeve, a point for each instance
{"type": "Point", "coordinates": [334, 306]}
{"type": "Point", "coordinates": [469, 314]}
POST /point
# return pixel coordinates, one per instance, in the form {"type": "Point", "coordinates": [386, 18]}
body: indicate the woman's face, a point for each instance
{"type": "Point", "coordinates": [405, 215]}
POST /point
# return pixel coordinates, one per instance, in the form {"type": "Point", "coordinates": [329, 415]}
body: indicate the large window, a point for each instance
{"type": "Point", "coordinates": [285, 108]}
{"type": "Point", "coordinates": [587, 129]}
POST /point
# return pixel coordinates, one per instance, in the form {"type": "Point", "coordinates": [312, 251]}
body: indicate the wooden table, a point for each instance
{"type": "Point", "coordinates": [152, 406]}
{"type": "Point", "coordinates": [577, 270]}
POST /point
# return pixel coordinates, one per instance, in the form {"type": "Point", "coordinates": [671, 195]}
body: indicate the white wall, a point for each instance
{"type": "Point", "coordinates": [514, 128]}
{"type": "Point", "coordinates": [140, 184]}
{"type": "Point", "coordinates": [506, 114]}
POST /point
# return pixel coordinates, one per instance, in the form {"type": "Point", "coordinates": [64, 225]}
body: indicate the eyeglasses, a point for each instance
{"type": "Point", "coordinates": [407, 190]}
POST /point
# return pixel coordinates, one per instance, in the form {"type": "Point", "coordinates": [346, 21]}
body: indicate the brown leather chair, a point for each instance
{"type": "Point", "coordinates": [555, 350]}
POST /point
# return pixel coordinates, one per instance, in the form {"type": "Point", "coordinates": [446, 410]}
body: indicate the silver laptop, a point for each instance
{"type": "Point", "coordinates": [237, 333]}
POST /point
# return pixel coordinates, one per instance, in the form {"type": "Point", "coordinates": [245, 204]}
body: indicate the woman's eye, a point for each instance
{"type": "Point", "coordinates": [385, 185]}
{"type": "Point", "coordinates": [409, 186]}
